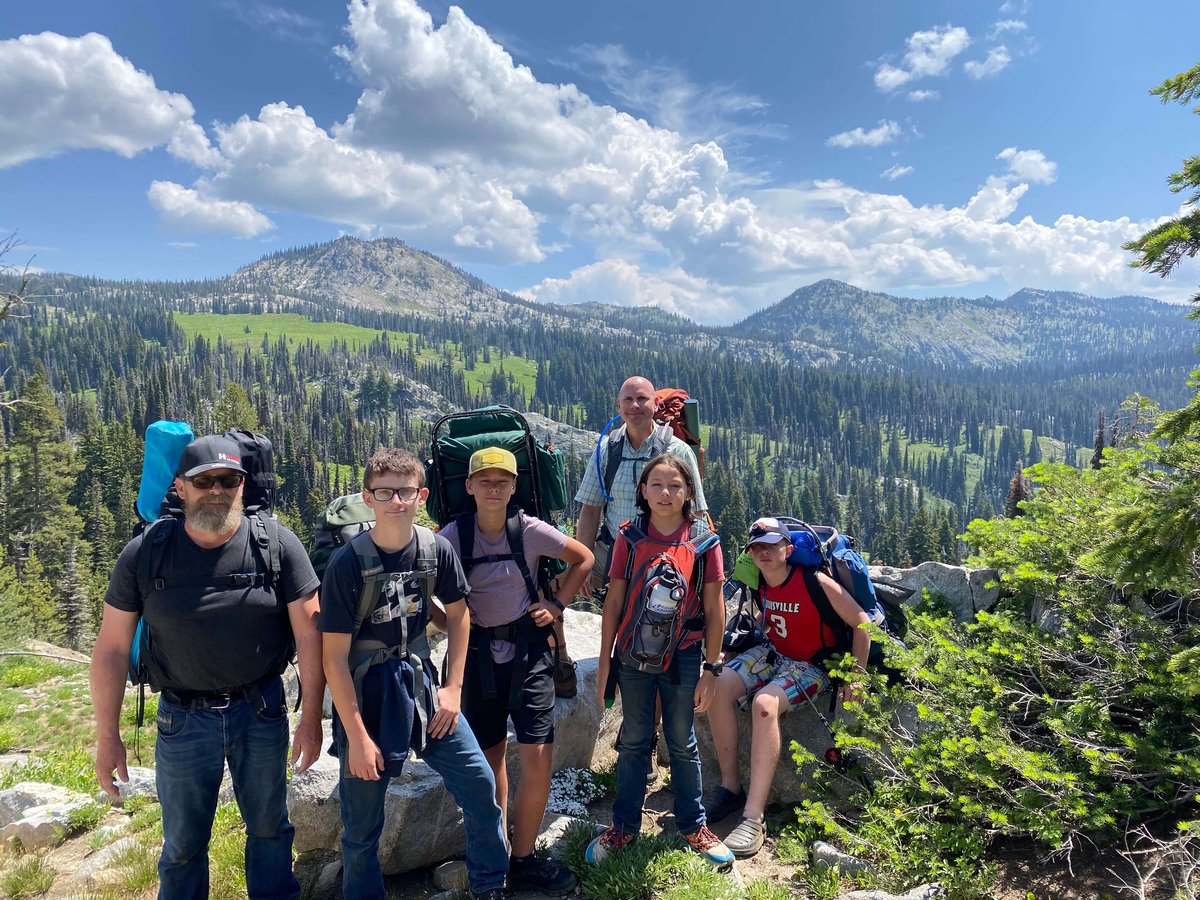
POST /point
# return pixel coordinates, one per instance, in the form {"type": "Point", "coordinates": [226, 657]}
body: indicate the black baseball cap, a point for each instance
{"type": "Point", "coordinates": [212, 452]}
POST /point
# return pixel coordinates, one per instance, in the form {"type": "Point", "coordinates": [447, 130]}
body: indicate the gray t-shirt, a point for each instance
{"type": "Point", "coordinates": [209, 637]}
{"type": "Point", "coordinates": [498, 592]}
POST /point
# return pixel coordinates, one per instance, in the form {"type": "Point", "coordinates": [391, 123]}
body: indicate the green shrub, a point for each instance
{"type": "Point", "coordinates": [1068, 714]}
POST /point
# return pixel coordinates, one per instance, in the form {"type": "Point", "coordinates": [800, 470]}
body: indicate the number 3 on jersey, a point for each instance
{"type": "Point", "coordinates": [779, 624]}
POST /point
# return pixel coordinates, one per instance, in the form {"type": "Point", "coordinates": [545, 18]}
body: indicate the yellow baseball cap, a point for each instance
{"type": "Point", "coordinates": [492, 458]}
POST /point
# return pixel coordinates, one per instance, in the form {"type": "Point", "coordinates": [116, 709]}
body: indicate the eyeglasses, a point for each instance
{"type": "Point", "coordinates": [227, 482]}
{"type": "Point", "coordinates": [406, 494]}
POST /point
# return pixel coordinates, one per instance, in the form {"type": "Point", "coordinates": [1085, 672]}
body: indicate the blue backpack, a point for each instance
{"type": "Point", "coordinates": [824, 548]}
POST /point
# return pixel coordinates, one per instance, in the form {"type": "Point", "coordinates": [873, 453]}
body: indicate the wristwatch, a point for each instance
{"type": "Point", "coordinates": [716, 668]}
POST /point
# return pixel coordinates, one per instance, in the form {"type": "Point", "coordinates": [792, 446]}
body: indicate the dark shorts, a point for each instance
{"type": "Point", "coordinates": [533, 719]}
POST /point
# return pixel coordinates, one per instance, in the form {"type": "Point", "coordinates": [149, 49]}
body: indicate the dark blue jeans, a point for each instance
{"type": "Point", "coordinates": [469, 779]}
{"type": "Point", "coordinates": [638, 690]}
{"type": "Point", "coordinates": [190, 754]}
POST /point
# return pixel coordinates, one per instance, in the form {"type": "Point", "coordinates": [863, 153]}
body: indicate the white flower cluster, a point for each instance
{"type": "Point", "coordinates": [571, 790]}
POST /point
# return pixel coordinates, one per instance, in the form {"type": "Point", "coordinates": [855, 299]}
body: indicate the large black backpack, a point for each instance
{"type": "Point", "coordinates": [258, 499]}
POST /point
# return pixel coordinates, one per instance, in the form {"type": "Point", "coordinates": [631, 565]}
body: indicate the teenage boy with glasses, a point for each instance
{"type": "Point", "coordinates": [221, 628]}
{"type": "Point", "coordinates": [375, 604]}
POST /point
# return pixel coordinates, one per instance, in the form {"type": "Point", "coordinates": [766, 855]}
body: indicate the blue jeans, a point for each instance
{"type": "Point", "coordinates": [190, 754]}
{"type": "Point", "coordinates": [638, 690]}
{"type": "Point", "coordinates": [469, 779]}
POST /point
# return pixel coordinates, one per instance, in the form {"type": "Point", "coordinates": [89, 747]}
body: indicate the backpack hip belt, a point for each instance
{"type": "Point", "coordinates": [524, 633]}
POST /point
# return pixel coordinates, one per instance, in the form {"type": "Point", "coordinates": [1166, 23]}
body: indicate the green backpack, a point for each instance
{"type": "Point", "coordinates": [541, 468]}
{"type": "Point", "coordinates": [337, 525]}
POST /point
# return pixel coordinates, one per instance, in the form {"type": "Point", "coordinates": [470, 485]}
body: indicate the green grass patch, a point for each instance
{"type": "Point", "coordinates": [247, 329]}
{"type": "Point", "coordinates": [226, 853]}
{"type": "Point", "coordinates": [27, 877]}
{"type": "Point", "coordinates": [137, 868]}
{"type": "Point", "coordinates": [71, 768]}
{"type": "Point", "coordinates": [85, 818]}
{"type": "Point", "coordinates": [27, 671]}
{"type": "Point", "coordinates": [655, 866]}
{"type": "Point", "coordinates": [144, 814]}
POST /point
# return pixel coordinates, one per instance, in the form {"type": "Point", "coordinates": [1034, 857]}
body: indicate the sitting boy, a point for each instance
{"type": "Point", "coordinates": [773, 677]}
{"type": "Point", "coordinates": [375, 604]}
{"type": "Point", "coordinates": [510, 667]}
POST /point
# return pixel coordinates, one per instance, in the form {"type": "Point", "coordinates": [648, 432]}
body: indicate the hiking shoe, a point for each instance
{"type": "Point", "coordinates": [532, 873]}
{"type": "Point", "coordinates": [746, 839]}
{"type": "Point", "coordinates": [565, 683]}
{"type": "Point", "coordinates": [609, 842]}
{"type": "Point", "coordinates": [710, 847]}
{"type": "Point", "coordinates": [722, 802]}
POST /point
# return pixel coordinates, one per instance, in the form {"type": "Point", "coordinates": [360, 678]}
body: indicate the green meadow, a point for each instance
{"type": "Point", "coordinates": [247, 329]}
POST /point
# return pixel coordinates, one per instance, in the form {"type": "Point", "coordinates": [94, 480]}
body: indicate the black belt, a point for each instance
{"type": "Point", "coordinates": [214, 700]}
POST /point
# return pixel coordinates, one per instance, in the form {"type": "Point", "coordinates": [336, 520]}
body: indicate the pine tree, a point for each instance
{"type": "Point", "coordinates": [234, 410]}
{"type": "Point", "coordinates": [920, 541]}
{"type": "Point", "coordinates": [1098, 446]}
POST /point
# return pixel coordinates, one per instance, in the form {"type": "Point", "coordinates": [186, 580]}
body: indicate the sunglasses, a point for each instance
{"type": "Point", "coordinates": [384, 495]}
{"type": "Point", "coordinates": [227, 482]}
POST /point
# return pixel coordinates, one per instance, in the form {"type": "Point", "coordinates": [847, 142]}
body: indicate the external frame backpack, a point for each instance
{"type": "Point", "coordinates": [664, 600]}
{"type": "Point", "coordinates": [541, 491]}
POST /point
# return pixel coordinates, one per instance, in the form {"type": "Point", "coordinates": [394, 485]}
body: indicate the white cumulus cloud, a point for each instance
{"type": "Point", "coordinates": [623, 283]}
{"type": "Point", "coordinates": [929, 53]}
{"type": "Point", "coordinates": [921, 96]}
{"type": "Point", "coordinates": [1029, 165]}
{"type": "Point", "coordinates": [186, 210]}
{"type": "Point", "coordinates": [896, 171]}
{"type": "Point", "coordinates": [66, 93]}
{"type": "Point", "coordinates": [884, 133]}
{"type": "Point", "coordinates": [997, 61]}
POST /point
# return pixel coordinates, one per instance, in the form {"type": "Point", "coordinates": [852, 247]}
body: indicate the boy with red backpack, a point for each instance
{"type": "Point", "coordinates": [661, 638]}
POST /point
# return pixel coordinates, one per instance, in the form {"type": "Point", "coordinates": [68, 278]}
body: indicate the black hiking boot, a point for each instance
{"type": "Point", "coordinates": [531, 873]}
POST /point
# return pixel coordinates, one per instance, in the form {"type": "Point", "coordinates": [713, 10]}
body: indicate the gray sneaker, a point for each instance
{"type": "Point", "coordinates": [747, 838]}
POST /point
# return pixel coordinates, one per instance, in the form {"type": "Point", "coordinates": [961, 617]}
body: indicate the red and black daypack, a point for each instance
{"type": "Point", "coordinates": [664, 596]}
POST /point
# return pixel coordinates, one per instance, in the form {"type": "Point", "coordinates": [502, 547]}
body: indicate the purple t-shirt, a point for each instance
{"type": "Point", "coordinates": [498, 593]}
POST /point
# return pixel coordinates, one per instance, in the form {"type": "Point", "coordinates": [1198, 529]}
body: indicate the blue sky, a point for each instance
{"type": "Point", "coordinates": [708, 157]}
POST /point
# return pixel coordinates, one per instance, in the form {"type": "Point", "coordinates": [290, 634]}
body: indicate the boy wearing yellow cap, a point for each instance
{"type": "Point", "coordinates": [510, 667]}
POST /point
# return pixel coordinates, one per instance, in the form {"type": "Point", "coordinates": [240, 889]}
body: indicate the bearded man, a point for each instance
{"type": "Point", "coordinates": [224, 598]}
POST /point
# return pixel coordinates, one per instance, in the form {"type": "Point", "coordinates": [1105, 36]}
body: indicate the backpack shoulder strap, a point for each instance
{"type": "Point", "coordinates": [615, 450]}
{"type": "Point", "coordinates": [825, 610]}
{"type": "Point", "coordinates": [660, 439]}
{"type": "Point", "coordinates": [465, 525]}
{"type": "Point", "coordinates": [150, 552]}
{"type": "Point", "coordinates": [264, 535]}
{"type": "Point", "coordinates": [426, 569]}
{"type": "Point", "coordinates": [514, 527]}
{"type": "Point", "coordinates": [634, 531]}
{"type": "Point", "coordinates": [371, 567]}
